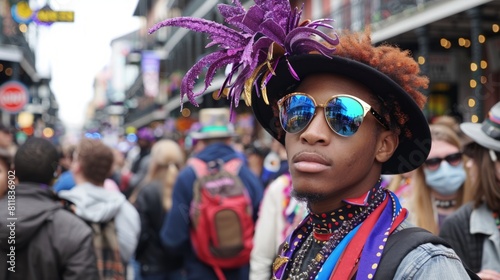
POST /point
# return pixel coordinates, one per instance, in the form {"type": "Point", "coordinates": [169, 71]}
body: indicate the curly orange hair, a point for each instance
{"type": "Point", "coordinates": [390, 60]}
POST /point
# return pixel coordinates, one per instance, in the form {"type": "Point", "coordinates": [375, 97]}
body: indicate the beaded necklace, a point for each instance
{"type": "Point", "coordinates": [445, 204]}
{"type": "Point", "coordinates": [317, 262]}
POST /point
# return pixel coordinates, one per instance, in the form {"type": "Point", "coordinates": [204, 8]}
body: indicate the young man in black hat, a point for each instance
{"type": "Point", "coordinates": [346, 113]}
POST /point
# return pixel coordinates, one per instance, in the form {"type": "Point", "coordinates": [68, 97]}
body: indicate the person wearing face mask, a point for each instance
{"type": "Point", "coordinates": [440, 185]}
{"type": "Point", "coordinates": [473, 230]}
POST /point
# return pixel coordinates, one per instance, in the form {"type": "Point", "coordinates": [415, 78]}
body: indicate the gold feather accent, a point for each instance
{"type": "Point", "coordinates": [263, 90]}
{"type": "Point", "coordinates": [275, 51]}
{"type": "Point", "coordinates": [279, 262]}
{"type": "Point", "coordinates": [247, 88]}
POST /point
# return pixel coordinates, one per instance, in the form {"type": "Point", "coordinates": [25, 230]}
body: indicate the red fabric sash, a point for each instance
{"type": "Point", "coordinates": [348, 261]}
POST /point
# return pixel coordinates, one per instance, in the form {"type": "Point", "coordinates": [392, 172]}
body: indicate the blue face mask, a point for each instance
{"type": "Point", "coordinates": [447, 179]}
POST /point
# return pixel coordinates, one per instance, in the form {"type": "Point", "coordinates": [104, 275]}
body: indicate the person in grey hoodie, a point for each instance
{"type": "Point", "coordinates": [91, 166]}
{"type": "Point", "coordinates": [39, 239]}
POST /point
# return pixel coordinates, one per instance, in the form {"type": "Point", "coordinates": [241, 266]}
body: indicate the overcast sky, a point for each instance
{"type": "Point", "coordinates": [73, 53]}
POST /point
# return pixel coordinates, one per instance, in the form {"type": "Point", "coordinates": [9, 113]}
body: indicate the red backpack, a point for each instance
{"type": "Point", "coordinates": [221, 215]}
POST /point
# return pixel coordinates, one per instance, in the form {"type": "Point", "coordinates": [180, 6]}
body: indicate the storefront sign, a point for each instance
{"type": "Point", "coordinates": [22, 13]}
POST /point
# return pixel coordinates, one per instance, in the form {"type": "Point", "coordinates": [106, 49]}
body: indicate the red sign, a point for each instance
{"type": "Point", "coordinates": [13, 96]}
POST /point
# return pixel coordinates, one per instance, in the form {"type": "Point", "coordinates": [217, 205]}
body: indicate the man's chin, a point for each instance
{"type": "Point", "coordinates": [308, 197]}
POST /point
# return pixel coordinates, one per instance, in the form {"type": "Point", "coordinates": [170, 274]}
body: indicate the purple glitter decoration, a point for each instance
{"type": "Point", "coordinates": [260, 37]}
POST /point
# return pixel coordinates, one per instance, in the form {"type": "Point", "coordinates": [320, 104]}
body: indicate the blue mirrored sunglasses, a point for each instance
{"type": "Point", "coordinates": [344, 113]}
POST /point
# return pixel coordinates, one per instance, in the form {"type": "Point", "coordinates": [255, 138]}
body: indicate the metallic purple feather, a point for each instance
{"type": "Point", "coordinates": [324, 22]}
{"type": "Point", "coordinates": [233, 15]}
{"type": "Point", "coordinates": [228, 81]}
{"type": "Point", "coordinates": [253, 18]}
{"type": "Point", "coordinates": [237, 88]}
{"type": "Point", "coordinates": [229, 11]}
{"type": "Point", "coordinates": [187, 84]}
{"type": "Point", "coordinates": [248, 52]}
{"type": "Point", "coordinates": [219, 33]}
{"type": "Point", "coordinates": [221, 62]}
{"type": "Point", "coordinates": [272, 30]}
{"type": "Point", "coordinates": [281, 11]}
{"type": "Point", "coordinates": [307, 32]}
{"type": "Point", "coordinates": [247, 44]}
{"type": "Point", "coordinates": [306, 45]}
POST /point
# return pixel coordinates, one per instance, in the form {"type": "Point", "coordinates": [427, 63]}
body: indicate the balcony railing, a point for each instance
{"type": "Point", "coordinates": [357, 14]}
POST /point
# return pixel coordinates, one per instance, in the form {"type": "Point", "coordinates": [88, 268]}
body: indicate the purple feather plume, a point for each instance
{"type": "Point", "coordinates": [246, 46]}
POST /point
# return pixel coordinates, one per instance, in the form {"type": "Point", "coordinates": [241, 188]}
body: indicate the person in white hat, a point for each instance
{"type": "Point", "coordinates": [473, 231]}
{"type": "Point", "coordinates": [214, 139]}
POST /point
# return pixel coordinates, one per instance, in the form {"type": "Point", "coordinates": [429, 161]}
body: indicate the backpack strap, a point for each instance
{"type": "Point", "coordinates": [200, 167]}
{"type": "Point", "coordinates": [233, 166]}
{"type": "Point", "coordinates": [400, 243]}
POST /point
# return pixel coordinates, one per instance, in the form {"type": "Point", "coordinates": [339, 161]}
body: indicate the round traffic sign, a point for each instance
{"type": "Point", "coordinates": [13, 96]}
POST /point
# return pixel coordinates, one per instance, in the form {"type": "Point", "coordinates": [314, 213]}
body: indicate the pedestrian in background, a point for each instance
{"type": "Point", "coordinates": [215, 140]}
{"type": "Point", "coordinates": [440, 186]}
{"type": "Point", "coordinates": [50, 241]}
{"type": "Point", "coordinates": [65, 181]}
{"type": "Point", "coordinates": [255, 154]}
{"type": "Point", "coordinates": [140, 160]}
{"type": "Point", "coordinates": [153, 200]}
{"type": "Point", "coordinates": [473, 230]}
{"type": "Point", "coordinates": [93, 203]}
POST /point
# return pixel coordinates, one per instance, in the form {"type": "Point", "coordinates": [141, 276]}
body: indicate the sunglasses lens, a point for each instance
{"type": "Point", "coordinates": [296, 112]}
{"type": "Point", "coordinates": [433, 163]}
{"type": "Point", "coordinates": [454, 159]}
{"type": "Point", "coordinates": [344, 115]}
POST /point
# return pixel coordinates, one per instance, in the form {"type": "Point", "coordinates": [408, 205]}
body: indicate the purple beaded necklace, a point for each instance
{"type": "Point", "coordinates": [317, 262]}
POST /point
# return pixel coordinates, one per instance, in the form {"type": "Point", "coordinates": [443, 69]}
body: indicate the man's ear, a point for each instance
{"type": "Point", "coordinates": [387, 143]}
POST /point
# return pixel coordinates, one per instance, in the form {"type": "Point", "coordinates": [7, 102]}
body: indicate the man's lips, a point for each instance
{"type": "Point", "coordinates": [310, 162]}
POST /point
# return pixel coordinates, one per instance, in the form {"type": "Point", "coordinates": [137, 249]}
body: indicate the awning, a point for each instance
{"type": "Point", "coordinates": [15, 54]}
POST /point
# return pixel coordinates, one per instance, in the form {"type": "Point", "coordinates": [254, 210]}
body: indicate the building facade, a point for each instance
{"type": "Point", "coordinates": [456, 42]}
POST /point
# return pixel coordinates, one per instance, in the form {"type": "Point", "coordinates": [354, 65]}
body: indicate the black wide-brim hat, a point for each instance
{"type": "Point", "coordinates": [410, 153]}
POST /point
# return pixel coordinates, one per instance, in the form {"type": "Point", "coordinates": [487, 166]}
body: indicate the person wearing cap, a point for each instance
{"type": "Point", "coordinates": [346, 112]}
{"type": "Point", "coordinates": [215, 139]}
{"type": "Point", "coordinates": [472, 230]}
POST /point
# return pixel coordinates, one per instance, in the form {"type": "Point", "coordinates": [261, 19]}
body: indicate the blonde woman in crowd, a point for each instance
{"type": "Point", "coordinates": [439, 185]}
{"type": "Point", "coordinates": [473, 230]}
{"type": "Point", "coordinates": [153, 200]}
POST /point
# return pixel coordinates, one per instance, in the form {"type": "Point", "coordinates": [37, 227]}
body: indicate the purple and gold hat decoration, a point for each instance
{"type": "Point", "coordinates": [259, 37]}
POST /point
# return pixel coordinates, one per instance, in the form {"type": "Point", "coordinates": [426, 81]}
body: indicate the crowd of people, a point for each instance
{"type": "Point", "coordinates": [452, 194]}
{"type": "Point", "coordinates": [357, 184]}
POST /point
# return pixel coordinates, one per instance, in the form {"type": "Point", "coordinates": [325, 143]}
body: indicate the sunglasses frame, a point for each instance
{"type": "Point", "coordinates": [366, 108]}
{"type": "Point", "coordinates": [447, 158]}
